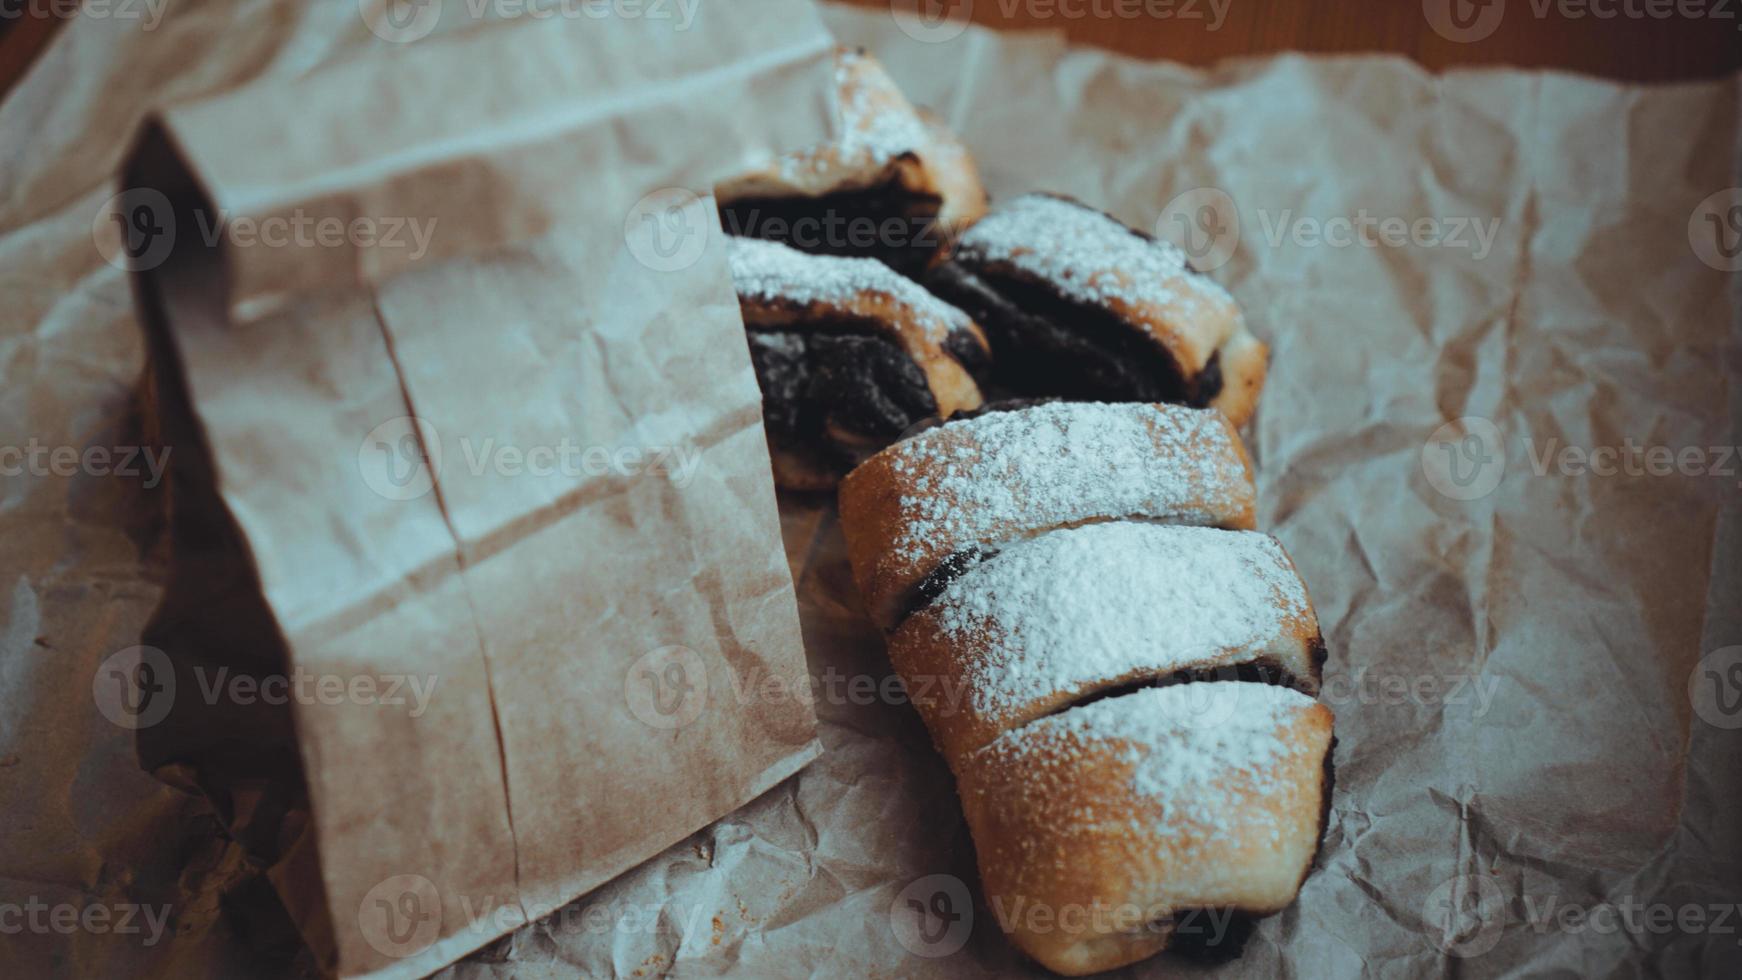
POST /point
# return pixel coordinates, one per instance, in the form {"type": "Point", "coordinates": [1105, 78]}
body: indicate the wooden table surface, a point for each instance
{"type": "Point", "coordinates": [1638, 40]}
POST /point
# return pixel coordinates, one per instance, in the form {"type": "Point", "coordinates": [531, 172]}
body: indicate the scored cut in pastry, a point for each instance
{"type": "Point", "coordinates": [1078, 305]}
{"type": "Point", "coordinates": [1085, 612]}
{"type": "Point", "coordinates": [896, 186]}
{"type": "Point", "coordinates": [1121, 816]}
{"type": "Point", "coordinates": [924, 510]}
{"type": "Point", "coordinates": [1118, 671]}
{"type": "Point", "coordinates": [849, 356]}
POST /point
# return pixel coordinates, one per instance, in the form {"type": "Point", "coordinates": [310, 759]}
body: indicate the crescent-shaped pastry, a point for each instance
{"type": "Point", "coordinates": [1086, 612]}
{"type": "Point", "coordinates": [1078, 305]}
{"type": "Point", "coordinates": [1117, 819]}
{"type": "Point", "coordinates": [897, 185]}
{"type": "Point", "coordinates": [1119, 673]}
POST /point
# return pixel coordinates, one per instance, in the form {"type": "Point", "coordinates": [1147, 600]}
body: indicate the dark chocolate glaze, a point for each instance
{"type": "Point", "coordinates": [1044, 343]}
{"type": "Point", "coordinates": [837, 378]}
{"type": "Point", "coordinates": [886, 222]}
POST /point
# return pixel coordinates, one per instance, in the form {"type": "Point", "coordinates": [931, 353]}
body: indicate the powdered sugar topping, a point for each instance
{"type": "Point", "coordinates": [1061, 463]}
{"type": "Point", "coordinates": [881, 130]}
{"type": "Point", "coordinates": [771, 271]}
{"type": "Point", "coordinates": [1185, 743]}
{"type": "Point", "coordinates": [1087, 255]}
{"type": "Point", "coordinates": [1062, 611]}
{"type": "Point", "coordinates": [877, 124]}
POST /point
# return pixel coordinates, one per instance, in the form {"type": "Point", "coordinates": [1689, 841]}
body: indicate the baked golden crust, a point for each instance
{"type": "Point", "coordinates": [884, 142]}
{"type": "Point", "coordinates": [1096, 828]}
{"type": "Point", "coordinates": [981, 483]}
{"type": "Point", "coordinates": [1070, 615]}
{"type": "Point", "coordinates": [1117, 670]}
{"type": "Point", "coordinates": [1059, 286]}
{"type": "Point", "coordinates": [1245, 362]}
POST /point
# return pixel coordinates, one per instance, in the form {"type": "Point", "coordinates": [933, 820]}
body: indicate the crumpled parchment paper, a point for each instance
{"type": "Point", "coordinates": [1539, 760]}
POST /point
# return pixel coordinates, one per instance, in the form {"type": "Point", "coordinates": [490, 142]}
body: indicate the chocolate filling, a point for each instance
{"type": "Point", "coordinates": [1196, 936]}
{"type": "Point", "coordinates": [886, 222]}
{"type": "Point", "coordinates": [1045, 343]}
{"type": "Point", "coordinates": [1261, 671]}
{"type": "Point", "coordinates": [836, 391]}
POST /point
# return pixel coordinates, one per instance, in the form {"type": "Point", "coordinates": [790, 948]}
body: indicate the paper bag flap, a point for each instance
{"type": "Point", "coordinates": [490, 136]}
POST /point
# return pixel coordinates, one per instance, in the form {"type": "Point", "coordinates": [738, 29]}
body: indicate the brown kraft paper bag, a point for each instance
{"type": "Point", "coordinates": [478, 596]}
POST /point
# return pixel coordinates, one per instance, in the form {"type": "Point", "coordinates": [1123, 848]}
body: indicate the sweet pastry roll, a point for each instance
{"type": "Point", "coordinates": [1089, 612]}
{"type": "Point", "coordinates": [1100, 829]}
{"type": "Point", "coordinates": [1078, 305]}
{"type": "Point", "coordinates": [1119, 672]}
{"type": "Point", "coordinates": [849, 355]}
{"type": "Point", "coordinates": [926, 509]}
{"type": "Point", "coordinates": [896, 186]}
